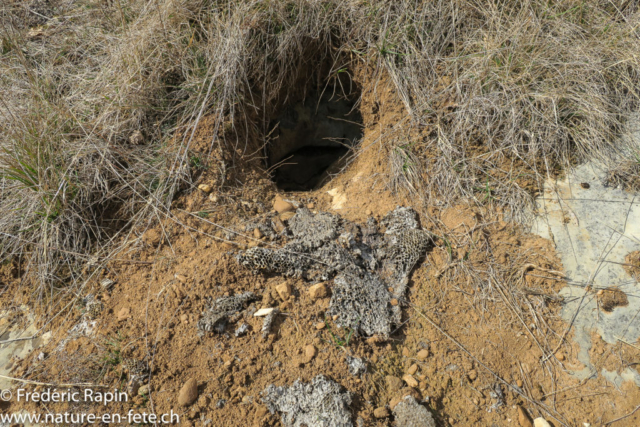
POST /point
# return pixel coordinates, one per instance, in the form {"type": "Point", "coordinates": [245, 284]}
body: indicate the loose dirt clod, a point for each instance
{"type": "Point", "coordinates": [320, 403]}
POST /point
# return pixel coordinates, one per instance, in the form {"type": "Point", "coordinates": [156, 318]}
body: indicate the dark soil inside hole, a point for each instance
{"type": "Point", "coordinates": [307, 167]}
{"type": "Point", "coordinates": [311, 139]}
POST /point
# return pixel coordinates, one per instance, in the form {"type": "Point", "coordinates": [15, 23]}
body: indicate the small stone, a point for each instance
{"type": "Point", "coordinates": [523, 417]}
{"type": "Point", "coordinates": [123, 313]}
{"type": "Point", "coordinates": [311, 206]}
{"type": "Point", "coordinates": [318, 291]}
{"type": "Point", "coordinates": [180, 278]}
{"type": "Point", "coordinates": [206, 188]}
{"type": "Point", "coordinates": [407, 391]}
{"type": "Point", "coordinates": [411, 382]}
{"type": "Point", "coordinates": [320, 325]}
{"type": "Point", "coordinates": [472, 375]}
{"type": "Point", "coordinates": [213, 197]}
{"type": "Point", "coordinates": [519, 383]}
{"type": "Point", "coordinates": [263, 312]}
{"type": "Point", "coordinates": [284, 290]}
{"type": "Point", "coordinates": [423, 354]}
{"type": "Point", "coordinates": [541, 422]}
{"type": "Point", "coordinates": [560, 356]}
{"type": "Point", "coordinates": [412, 369]}
{"type": "Point", "coordinates": [257, 233]}
{"type": "Point", "coordinates": [281, 206]}
{"type": "Point", "coordinates": [188, 393]}
{"type": "Point", "coordinates": [309, 353]}
{"type": "Point", "coordinates": [368, 212]}
{"type": "Point", "coordinates": [405, 352]}
{"type": "Point", "coordinates": [287, 216]}
{"type": "Point", "coordinates": [381, 412]}
{"type": "Point", "coordinates": [393, 302]}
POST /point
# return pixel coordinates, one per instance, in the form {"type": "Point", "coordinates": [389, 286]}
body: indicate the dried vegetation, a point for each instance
{"type": "Point", "coordinates": [100, 100]}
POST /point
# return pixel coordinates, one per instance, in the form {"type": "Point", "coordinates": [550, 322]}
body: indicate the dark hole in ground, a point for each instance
{"type": "Point", "coordinates": [312, 139]}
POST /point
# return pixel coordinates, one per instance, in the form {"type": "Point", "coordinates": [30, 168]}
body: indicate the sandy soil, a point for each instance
{"type": "Point", "coordinates": [481, 313]}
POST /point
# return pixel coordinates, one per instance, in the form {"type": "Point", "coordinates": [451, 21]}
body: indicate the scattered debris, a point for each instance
{"type": "Point", "coordinates": [268, 321]}
{"type": "Point", "coordinates": [216, 316]}
{"type": "Point", "coordinates": [136, 371]}
{"type": "Point", "coordinates": [356, 366]}
{"type": "Point", "coordinates": [409, 413]}
{"type": "Point", "coordinates": [241, 330]}
{"type": "Point", "coordinates": [498, 395]}
{"type": "Point", "coordinates": [107, 283]}
{"type": "Point", "coordinates": [136, 138]}
{"type": "Point", "coordinates": [370, 269]}
{"type": "Point", "coordinates": [320, 403]}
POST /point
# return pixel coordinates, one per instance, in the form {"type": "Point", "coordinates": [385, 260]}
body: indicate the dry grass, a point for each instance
{"type": "Point", "coordinates": [505, 88]}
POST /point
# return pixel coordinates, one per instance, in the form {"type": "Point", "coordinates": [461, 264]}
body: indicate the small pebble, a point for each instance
{"type": "Point", "coordinates": [412, 369]}
{"type": "Point", "coordinates": [206, 188]}
{"type": "Point", "coordinates": [411, 382]}
{"type": "Point", "coordinates": [188, 393]}
{"type": "Point", "coordinates": [284, 290]}
{"type": "Point", "coordinates": [423, 354]}
{"type": "Point", "coordinates": [381, 412]}
{"type": "Point", "coordinates": [318, 291]}
{"type": "Point", "coordinates": [541, 422]}
{"type": "Point", "coordinates": [310, 352]}
{"type": "Point", "coordinates": [282, 206]}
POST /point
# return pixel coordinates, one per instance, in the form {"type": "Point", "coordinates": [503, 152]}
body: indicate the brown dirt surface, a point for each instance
{"type": "Point", "coordinates": [481, 331]}
{"type": "Point", "coordinates": [611, 298]}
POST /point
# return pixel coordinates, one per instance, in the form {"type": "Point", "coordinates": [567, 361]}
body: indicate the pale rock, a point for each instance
{"type": "Point", "coordinates": [281, 206]}
{"type": "Point", "coordinates": [318, 291]}
{"type": "Point", "coordinates": [541, 422]}
{"type": "Point", "coordinates": [205, 188]}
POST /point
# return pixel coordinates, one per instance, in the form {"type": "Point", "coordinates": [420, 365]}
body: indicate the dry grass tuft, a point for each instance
{"type": "Point", "coordinates": [101, 99]}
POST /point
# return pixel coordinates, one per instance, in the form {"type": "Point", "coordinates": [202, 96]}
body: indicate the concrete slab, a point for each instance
{"type": "Point", "coordinates": [594, 227]}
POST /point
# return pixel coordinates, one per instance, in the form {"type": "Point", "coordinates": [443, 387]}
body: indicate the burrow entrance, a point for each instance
{"type": "Point", "coordinates": [312, 138]}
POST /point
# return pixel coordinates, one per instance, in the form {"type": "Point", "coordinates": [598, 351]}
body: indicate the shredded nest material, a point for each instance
{"type": "Point", "coordinates": [409, 413]}
{"type": "Point", "coordinates": [321, 403]}
{"type": "Point", "coordinates": [370, 268]}
{"type": "Point", "coordinates": [216, 316]}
